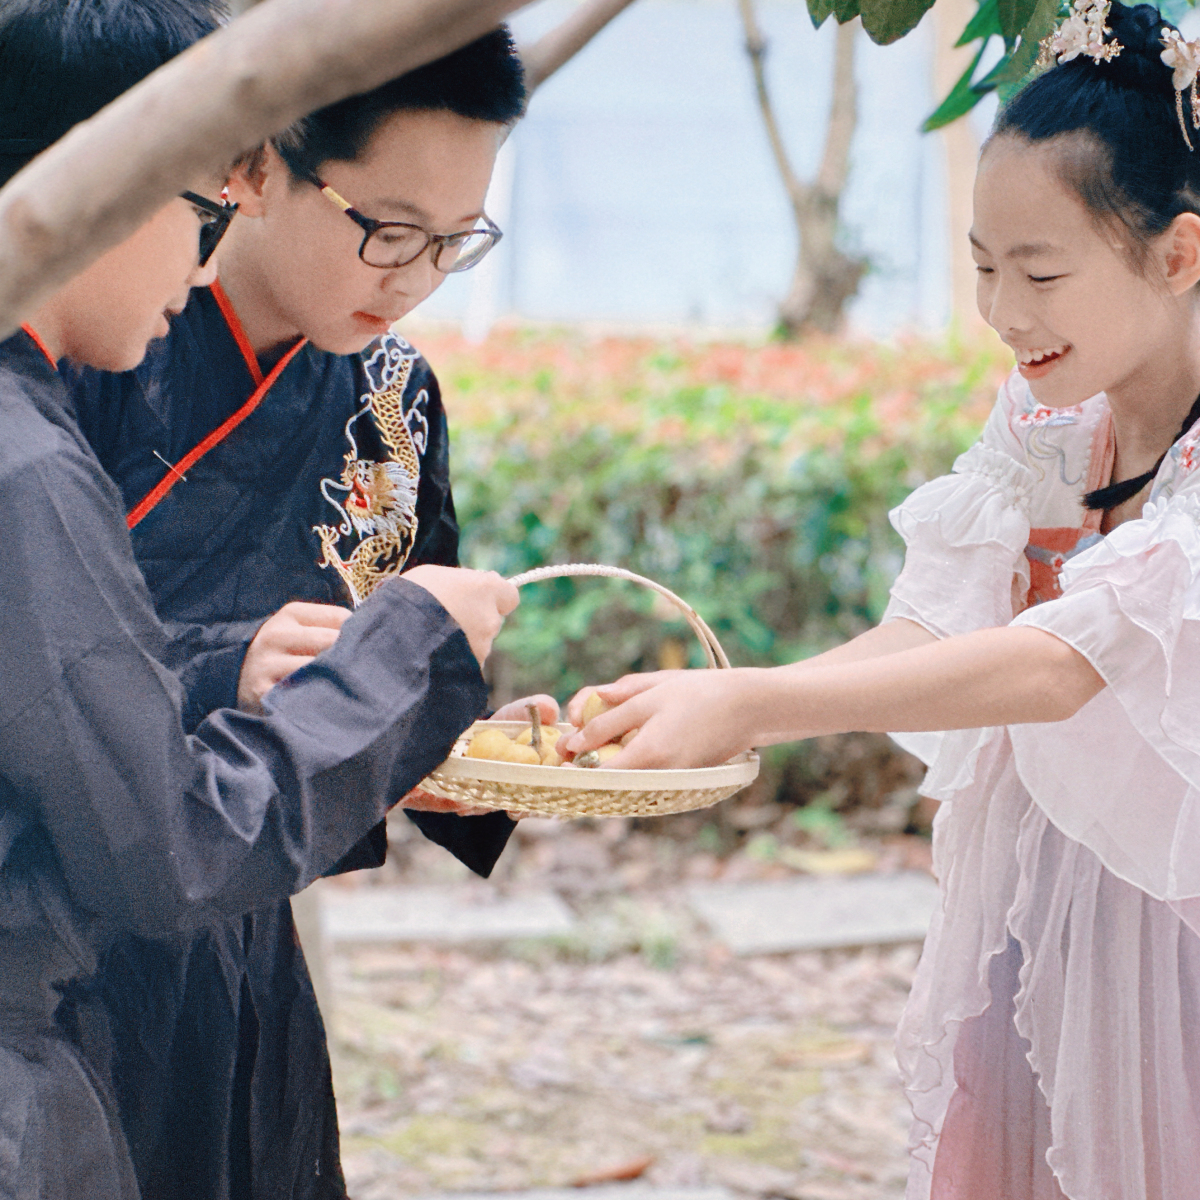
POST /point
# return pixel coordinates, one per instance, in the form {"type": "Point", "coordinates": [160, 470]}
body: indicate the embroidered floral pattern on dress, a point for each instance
{"type": "Point", "coordinates": [377, 501]}
{"type": "Point", "coordinates": [1182, 460]}
{"type": "Point", "coordinates": [1031, 422]}
{"type": "Point", "coordinates": [1038, 416]}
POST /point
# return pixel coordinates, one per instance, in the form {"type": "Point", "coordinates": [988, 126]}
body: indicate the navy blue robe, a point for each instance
{"type": "Point", "coordinates": [337, 480]}
{"type": "Point", "coordinates": [114, 822]}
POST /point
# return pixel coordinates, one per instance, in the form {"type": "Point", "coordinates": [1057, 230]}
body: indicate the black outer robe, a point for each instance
{"type": "Point", "coordinates": [113, 820]}
{"type": "Point", "coordinates": [219, 1053]}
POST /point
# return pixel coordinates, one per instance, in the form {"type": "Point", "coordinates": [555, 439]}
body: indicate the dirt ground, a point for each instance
{"type": "Point", "coordinates": [636, 1047]}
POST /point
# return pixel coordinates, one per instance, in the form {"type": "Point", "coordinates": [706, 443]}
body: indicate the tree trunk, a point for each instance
{"type": "Point", "coordinates": [196, 114]}
{"type": "Point", "coordinates": [563, 42]}
{"type": "Point", "coordinates": [961, 148]}
{"type": "Point", "coordinates": [824, 278]}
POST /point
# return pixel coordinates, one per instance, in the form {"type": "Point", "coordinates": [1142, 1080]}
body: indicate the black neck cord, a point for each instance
{"type": "Point", "coordinates": [1117, 493]}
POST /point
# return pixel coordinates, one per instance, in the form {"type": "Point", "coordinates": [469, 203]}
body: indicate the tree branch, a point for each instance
{"type": "Point", "coordinates": [756, 48]}
{"type": "Point", "coordinates": [281, 60]}
{"type": "Point", "coordinates": [564, 41]}
{"type": "Point", "coordinates": [843, 115]}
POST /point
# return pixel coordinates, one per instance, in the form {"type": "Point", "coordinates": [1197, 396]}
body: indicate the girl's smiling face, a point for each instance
{"type": "Point", "coordinates": [1060, 288]}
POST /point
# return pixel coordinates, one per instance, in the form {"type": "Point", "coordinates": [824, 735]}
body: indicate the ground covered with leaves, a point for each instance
{"type": "Point", "coordinates": [637, 1046]}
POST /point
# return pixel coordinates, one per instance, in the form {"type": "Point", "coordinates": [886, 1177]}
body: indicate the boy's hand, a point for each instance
{"type": "Point", "coordinates": [518, 710]}
{"type": "Point", "coordinates": [294, 636]}
{"type": "Point", "coordinates": [478, 600]}
{"type": "Point", "coordinates": [422, 801]}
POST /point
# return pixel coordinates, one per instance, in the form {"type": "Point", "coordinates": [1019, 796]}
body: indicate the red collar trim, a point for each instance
{"type": "Point", "coordinates": [234, 322]}
{"type": "Point", "coordinates": [179, 470]}
{"type": "Point", "coordinates": [33, 336]}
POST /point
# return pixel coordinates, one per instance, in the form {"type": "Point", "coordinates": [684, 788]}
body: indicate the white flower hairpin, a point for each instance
{"type": "Point", "coordinates": [1083, 32]}
{"type": "Point", "coordinates": [1184, 60]}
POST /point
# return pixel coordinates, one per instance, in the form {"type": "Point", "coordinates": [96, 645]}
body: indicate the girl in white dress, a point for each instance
{"type": "Point", "coordinates": [1048, 618]}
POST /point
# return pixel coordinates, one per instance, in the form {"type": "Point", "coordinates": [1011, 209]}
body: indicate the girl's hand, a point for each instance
{"type": "Point", "coordinates": [615, 693]}
{"type": "Point", "coordinates": [685, 718]}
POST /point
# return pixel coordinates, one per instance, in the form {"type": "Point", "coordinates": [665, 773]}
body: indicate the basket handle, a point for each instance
{"type": "Point", "coordinates": [713, 652]}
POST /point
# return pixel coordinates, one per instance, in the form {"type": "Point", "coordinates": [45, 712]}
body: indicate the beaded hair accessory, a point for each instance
{"type": "Point", "coordinates": [1184, 60]}
{"type": "Point", "coordinates": [1083, 32]}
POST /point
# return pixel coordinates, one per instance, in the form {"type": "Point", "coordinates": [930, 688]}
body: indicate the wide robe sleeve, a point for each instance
{"type": "Point", "coordinates": [965, 536]}
{"type": "Point", "coordinates": [154, 829]}
{"type": "Point", "coordinates": [208, 660]}
{"type": "Point", "coordinates": [1122, 776]}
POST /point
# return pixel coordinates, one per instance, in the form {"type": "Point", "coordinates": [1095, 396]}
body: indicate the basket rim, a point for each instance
{"type": "Point", "coordinates": [740, 771]}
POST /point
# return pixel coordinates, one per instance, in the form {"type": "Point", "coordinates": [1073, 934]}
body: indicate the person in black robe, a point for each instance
{"type": "Point", "coordinates": [113, 818]}
{"type": "Point", "coordinates": [261, 466]}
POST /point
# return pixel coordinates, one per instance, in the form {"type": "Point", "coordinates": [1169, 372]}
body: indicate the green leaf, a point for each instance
{"type": "Point", "coordinates": [888, 20]}
{"type": "Point", "coordinates": [843, 10]}
{"type": "Point", "coordinates": [983, 24]}
{"type": "Point", "coordinates": [1014, 16]}
{"type": "Point", "coordinates": [1010, 73]}
{"type": "Point", "coordinates": [962, 98]}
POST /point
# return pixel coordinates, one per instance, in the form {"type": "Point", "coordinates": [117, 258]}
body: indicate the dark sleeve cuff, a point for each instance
{"type": "Point", "coordinates": [476, 842]}
{"type": "Point", "coordinates": [208, 661]}
{"type": "Point", "coordinates": [366, 855]}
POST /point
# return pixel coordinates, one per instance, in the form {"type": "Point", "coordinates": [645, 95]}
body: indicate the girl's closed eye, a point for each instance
{"type": "Point", "coordinates": [1044, 278]}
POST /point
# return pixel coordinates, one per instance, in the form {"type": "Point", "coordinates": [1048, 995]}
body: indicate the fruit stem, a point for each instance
{"type": "Point", "coordinates": [535, 718]}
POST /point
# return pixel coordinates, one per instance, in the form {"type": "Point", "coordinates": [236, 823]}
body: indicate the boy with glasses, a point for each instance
{"type": "Point", "coordinates": [114, 821]}
{"type": "Point", "coordinates": [283, 445]}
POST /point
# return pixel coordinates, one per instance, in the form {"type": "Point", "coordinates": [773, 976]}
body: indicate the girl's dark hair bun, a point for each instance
{"type": "Point", "coordinates": [1131, 162]}
{"type": "Point", "coordinates": [1139, 65]}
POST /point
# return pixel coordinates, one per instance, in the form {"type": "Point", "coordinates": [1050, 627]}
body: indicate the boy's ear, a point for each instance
{"type": "Point", "coordinates": [248, 181]}
{"type": "Point", "coordinates": [1181, 243]}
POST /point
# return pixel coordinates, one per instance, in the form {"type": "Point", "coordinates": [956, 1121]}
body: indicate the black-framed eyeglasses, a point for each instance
{"type": "Point", "coordinates": [391, 244]}
{"type": "Point", "coordinates": [215, 220]}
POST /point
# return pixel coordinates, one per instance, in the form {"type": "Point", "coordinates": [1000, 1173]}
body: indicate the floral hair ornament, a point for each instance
{"type": "Point", "coordinates": [1184, 60]}
{"type": "Point", "coordinates": [1083, 32]}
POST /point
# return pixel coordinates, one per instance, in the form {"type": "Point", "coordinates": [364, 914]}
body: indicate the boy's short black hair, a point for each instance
{"type": "Point", "coordinates": [484, 81]}
{"type": "Point", "coordinates": [61, 61]}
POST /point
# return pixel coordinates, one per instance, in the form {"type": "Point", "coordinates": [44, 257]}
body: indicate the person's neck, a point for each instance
{"type": "Point", "coordinates": [47, 322]}
{"type": "Point", "coordinates": [1150, 406]}
{"type": "Point", "coordinates": [268, 329]}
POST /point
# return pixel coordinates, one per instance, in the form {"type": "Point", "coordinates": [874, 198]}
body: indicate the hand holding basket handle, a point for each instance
{"type": "Point", "coordinates": [478, 600]}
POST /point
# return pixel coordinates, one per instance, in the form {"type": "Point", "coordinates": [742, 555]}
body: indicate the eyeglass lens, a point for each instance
{"type": "Point", "coordinates": [211, 233]}
{"type": "Point", "coordinates": [398, 245]}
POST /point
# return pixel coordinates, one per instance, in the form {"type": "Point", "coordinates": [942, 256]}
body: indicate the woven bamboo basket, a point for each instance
{"type": "Point", "coordinates": [591, 792]}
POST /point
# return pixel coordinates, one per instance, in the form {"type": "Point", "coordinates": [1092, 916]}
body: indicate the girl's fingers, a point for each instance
{"type": "Point", "coordinates": [616, 693]}
{"type": "Point", "coordinates": [609, 726]}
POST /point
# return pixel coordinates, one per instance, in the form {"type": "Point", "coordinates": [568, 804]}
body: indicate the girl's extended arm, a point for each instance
{"type": "Point", "coordinates": [889, 638]}
{"type": "Point", "coordinates": [999, 676]}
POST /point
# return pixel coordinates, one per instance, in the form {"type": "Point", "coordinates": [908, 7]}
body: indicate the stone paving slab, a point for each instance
{"type": "Point", "coordinates": [816, 914]}
{"type": "Point", "coordinates": [437, 914]}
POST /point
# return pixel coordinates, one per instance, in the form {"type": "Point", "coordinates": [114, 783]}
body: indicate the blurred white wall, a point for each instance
{"type": "Point", "coordinates": [640, 188]}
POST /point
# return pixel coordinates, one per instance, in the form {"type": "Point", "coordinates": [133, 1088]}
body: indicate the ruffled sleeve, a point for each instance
{"type": "Point", "coordinates": [1123, 775]}
{"type": "Point", "coordinates": [965, 536]}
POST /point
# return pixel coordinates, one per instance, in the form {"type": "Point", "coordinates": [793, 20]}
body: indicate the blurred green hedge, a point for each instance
{"type": "Point", "coordinates": [763, 504]}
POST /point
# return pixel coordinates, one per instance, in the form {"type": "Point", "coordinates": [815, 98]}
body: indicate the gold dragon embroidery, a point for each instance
{"type": "Point", "coordinates": [379, 499]}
